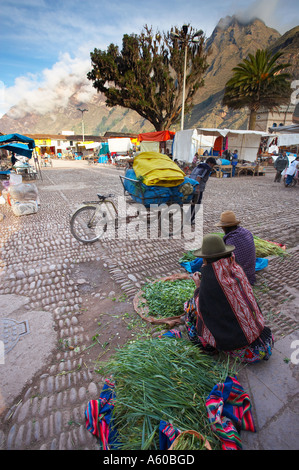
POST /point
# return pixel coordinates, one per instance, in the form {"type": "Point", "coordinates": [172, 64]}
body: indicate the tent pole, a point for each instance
{"type": "Point", "coordinates": [242, 142]}
{"type": "Point", "coordinates": [37, 165]}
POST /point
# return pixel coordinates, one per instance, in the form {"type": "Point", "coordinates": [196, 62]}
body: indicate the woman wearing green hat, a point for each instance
{"type": "Point", "coordinates": [223, 314]}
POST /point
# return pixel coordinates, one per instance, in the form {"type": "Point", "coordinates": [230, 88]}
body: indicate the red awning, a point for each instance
{"type": "Point", "coordinates": [159, 136]}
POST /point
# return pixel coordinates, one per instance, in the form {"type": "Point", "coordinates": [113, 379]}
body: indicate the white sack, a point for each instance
{"type": "Point", "coordinates": [23, 192]}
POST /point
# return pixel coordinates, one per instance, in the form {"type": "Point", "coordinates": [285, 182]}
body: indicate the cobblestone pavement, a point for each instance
{"type": "Point", "coordinates": [42, 269]}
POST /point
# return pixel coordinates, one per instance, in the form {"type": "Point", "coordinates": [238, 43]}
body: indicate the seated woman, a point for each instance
{"type": "Point", "coordinates": [223, 314]}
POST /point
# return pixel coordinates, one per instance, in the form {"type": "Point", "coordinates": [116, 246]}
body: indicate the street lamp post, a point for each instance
{"type": "Point", "coordinates": [185, 42]}
{"type": "Point", "coordinates": [82, 111]}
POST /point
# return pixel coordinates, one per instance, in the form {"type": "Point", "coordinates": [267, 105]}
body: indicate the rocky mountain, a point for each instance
{"type": "Point", "coordinates": [230, 43]}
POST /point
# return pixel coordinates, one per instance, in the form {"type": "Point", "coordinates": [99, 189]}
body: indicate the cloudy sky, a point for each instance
{"type": "Point", "coordinates": [44, 41]}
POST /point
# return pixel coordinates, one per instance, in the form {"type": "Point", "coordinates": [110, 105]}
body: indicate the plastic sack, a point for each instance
{"type": "Point", "coordinates": [23, 192]}
{"type": "Point", "coordinates": [261, 263]}
{"type": "Point", "coordinates": [24, 208]}
{"type": "Point", "coordinates": [192, 266]}
{"type": "Point", "coordinates": [157, 169]}
{"type": "Point", "coordinates": [15, 179]}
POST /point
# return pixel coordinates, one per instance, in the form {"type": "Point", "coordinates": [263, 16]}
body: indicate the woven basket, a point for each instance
{"type": "Point", "coordinates": [142, 310]}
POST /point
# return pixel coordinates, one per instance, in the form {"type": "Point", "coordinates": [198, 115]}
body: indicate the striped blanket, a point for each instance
{"type": "Point", "coordinates": [229, 411]}
{"type": "Point", "coordinates": [99, 419]}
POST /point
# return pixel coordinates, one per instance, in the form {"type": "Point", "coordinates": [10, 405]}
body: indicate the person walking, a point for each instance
{"type": "Point", "coordinates": [280, 164]}
{"type": "Point", "coordinates": [201, 174]}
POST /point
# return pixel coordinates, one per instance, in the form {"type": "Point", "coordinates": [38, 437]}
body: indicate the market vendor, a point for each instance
{"type": "Point", "coordinates": [223, 315]}
{"type": "Point", "coordinates": [243, 241]}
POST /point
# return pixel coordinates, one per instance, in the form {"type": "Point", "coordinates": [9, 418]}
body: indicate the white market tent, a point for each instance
{"type": "Point", "coordinates": [119, 145]}
{"type": "Point", "coordinates": [286, 135]}
{"type": "Point", "coordinates": [246, 142]}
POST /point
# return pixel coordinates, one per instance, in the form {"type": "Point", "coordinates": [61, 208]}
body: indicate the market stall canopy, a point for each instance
{"type": "Point", "coordinates": [19, 149]}
{"type": "Point", "coordinates": [294, 129]}
{"type": "Point", "coordinates": [17, 138]}
{"type": "Point", "coordinates": [119, 145]}
{"type": "Point", "coordinates": [159, 136]}
{"type": "Point", "coordinates": [286, 135]}
{"type": "Point", "coordinates": [188, 142]}
{"type": "Point", "coordinates": [246, 142]}
{"type": "Point", "coordinates": [90, 145]}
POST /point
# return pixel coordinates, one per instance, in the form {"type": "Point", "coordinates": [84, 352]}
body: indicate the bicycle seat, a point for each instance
{"type": "Point", "coordinates": [102, 198]}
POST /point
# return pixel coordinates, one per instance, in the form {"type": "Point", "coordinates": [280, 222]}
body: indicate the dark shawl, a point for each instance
{"type": "Point", "coordinates": [228, 315]}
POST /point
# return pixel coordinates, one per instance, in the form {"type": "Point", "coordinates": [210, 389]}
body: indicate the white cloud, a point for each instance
{"type": "Point", "coordinates": [51, 89]}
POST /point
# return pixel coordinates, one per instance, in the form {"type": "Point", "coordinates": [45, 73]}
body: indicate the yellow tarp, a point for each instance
{"type": "Point", "coordinates": [157, 169]}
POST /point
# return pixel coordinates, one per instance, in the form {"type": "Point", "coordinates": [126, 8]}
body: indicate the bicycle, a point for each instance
{"type": "Point", "coordinates": [94, 218]}
{"type": "Point", "coordinates": [90, 222]}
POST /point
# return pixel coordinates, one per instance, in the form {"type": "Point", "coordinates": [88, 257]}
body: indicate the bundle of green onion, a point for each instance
{"type": "Point", "coordinates": [162, 379]}
{"type": "Point", "coordinates": [263, 249]}
{"type": "Point", "coordinates": [166, 298]}
{"type": "Point", "coordinates": [189, 442]}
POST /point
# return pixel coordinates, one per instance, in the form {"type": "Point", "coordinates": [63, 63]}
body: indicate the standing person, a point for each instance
{"type": "Point", "coordinates": [234, 162]}
{"type": "Point", "coordinates": [280, 164]}
{"type": "Point", "coordinates": [201, 173]}
{"type": "Point", "coordinates": [13, 159]}
{"type": "Point", "coordinates": [243, 241]}
{"type": "Point", "coordinates": [195, 160]}
{"type": "Point", "coordinates": [291, 171]}
{"type": "Point", "coordinates": [223, 314]}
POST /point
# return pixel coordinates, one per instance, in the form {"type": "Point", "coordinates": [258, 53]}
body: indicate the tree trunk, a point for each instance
{"type": "Point", "coordinates": [252, 120]}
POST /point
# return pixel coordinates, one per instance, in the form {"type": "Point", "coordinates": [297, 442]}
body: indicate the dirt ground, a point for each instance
{"type": "Point", "coordinates": [107, 313]}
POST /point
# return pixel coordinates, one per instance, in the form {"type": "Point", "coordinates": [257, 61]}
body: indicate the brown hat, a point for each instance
{"type": "Point", "coordinates": [228, 219]}
{"type": "Point", "coordinates": [212, 247]}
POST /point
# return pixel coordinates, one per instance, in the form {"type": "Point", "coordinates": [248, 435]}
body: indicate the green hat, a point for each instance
{"type": "Point", "coordinates": [212, 247]}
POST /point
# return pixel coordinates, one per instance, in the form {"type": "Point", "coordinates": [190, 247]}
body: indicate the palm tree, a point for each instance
{"type": "Point", "coordinates": [258, 81]}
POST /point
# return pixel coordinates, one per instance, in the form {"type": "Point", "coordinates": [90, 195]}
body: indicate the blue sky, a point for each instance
{"type": "Point", "coordinates": [43, 41]}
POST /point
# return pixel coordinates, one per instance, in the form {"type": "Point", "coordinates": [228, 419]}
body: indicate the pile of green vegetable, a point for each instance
{"type": "Point", "coordinates": [162, 379]}
{"type": "Point", "coordinates": [263, 249]}
{"type": "Point", "coordinates": [166, 298]}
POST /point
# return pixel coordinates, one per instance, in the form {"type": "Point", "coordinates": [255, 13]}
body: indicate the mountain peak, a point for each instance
{"type": "Point", "coordinates": [235, 20]}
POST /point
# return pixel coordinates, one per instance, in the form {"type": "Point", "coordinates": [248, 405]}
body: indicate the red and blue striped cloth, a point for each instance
{"type": "Point", "coordinates": [229, 411]}
{"type": "Point", "coordinates": [99, 419]}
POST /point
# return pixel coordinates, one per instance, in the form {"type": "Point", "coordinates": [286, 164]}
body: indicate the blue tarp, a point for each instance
{"type": "Point", "coordinates": [104, 149]}
{"type": "Point", "coordinates": [17, 138]}
{"type": "Point", "coordinates": [19, 149]}
{"type": "Point", "coordinates": [148, 195]}
{"type": "Point", "coordinates": [195, 265]}
{"type": "Point", "coordinates": [17, 143]}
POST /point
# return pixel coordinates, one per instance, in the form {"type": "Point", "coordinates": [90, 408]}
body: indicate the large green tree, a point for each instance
{"type": "Point", "coordinates": [259, 81]}
{"type": "Point", "coordinates": [147, 74]}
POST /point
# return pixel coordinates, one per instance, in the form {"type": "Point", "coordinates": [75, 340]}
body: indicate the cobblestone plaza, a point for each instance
{"type": "Point", "coordinates": [43, 271]}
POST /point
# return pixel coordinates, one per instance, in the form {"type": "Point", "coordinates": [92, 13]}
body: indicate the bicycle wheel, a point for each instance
{"type": "Point", "coordinates": [92, 222]}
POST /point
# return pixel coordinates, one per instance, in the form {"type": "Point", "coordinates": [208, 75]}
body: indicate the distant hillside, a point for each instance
{"type": "Point", "coordinates": [229, 44]}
